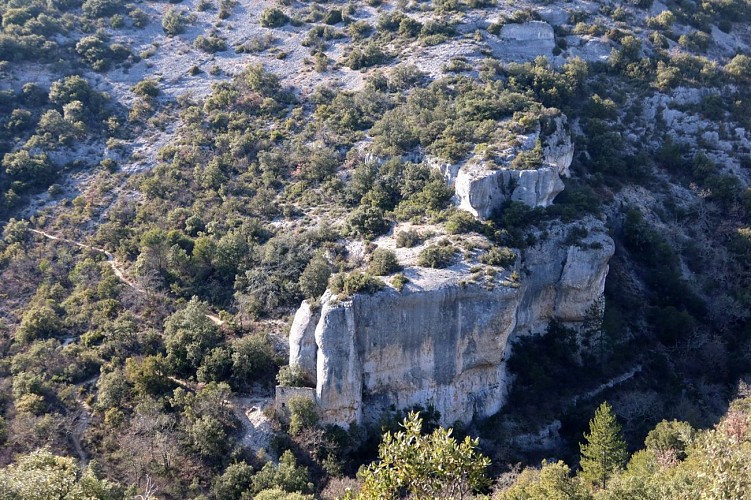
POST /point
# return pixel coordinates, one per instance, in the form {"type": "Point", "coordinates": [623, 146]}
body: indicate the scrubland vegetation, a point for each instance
{"type": "Point", "coordinates": [113, 385]}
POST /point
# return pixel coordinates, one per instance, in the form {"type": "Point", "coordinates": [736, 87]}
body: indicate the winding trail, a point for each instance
{"type": "Point", "coordinates": [116, 268]}
{"type": "Point", "coordinates": [607, 385]}
{"type": "Point", "coordinates": [81, 422]}
{"type": "Point", "coordinates": [119, 272]}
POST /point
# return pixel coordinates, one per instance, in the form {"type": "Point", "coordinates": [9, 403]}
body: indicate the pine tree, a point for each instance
{"type": "Point", "coordinates": [605, 450]}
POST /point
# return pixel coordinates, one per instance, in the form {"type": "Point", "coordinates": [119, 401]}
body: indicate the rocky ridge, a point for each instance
{"type": "Point", "coordinates": [443, 339]}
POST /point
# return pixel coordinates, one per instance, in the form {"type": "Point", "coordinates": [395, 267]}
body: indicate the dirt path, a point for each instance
{"type": "Point", "coordinates": [607, 385]}
{"type": "Point", "coordinates": [81, 424]}
{"type": "Point", "coordinates": [116, 268]}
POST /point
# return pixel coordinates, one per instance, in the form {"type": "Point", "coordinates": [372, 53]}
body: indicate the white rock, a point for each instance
{"type": "Point", "coordinates": [523, 41]}
{"type": "Point", "coordinates": [554, 15]}
{"type": "Point", "coordinates": [592, 51]}
{"type": "Point", "coordinates": [443, 342]}
{"type": "Point", "coordinates": [536, 188]}
{"type": "Point", "coordinates": [302, 341]}
{"type": "Point", "coordinates": [480, 191]}
{"type": "Point", "coordinates": [557, 148]}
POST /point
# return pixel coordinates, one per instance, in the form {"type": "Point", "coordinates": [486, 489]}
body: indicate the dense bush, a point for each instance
{"type": "Point", "coordinates": [356, 282]}
{"type": "Point", "coordinates": [383, 262]}
{"type": "Point", "coordinates": [315, 277]}
{"type": "Point", "coordinates": [409, 238]}
{"type": "Point", "coordinates": [370, 55]}
{"type": "Point", "coordinates": [174, 21]}
{"type": "Point", "coordinates": [273, 18]}
{"type": "Point", "coordinates": [436, 256]}
{"type": "Point", "coordinates": [368, 222]}
{"type": "Point", "coordinates": [287, 476]}
{"type": "Point", "coordinates": [101, 8]}
{"type": "Point", "coordinates": [499, 256]}
{"type": "Point", "coordinates": [210, 44]}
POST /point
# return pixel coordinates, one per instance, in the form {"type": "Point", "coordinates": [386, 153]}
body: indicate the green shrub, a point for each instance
{"type": "Point", "coordinates": [462, 222]}
{"type": "Point", "coordinates": [210, 44]}
{"type": "Point", "coordinates": [528, 159]}
{"type": "Point", "coordinates": [303, 413]}
{"type": "Point", "coordinates": [174, 22]}
{"type": "Point", "coordinates": [662, 21]}
{"type": "Point", "coordinates": [101, 8]}
{"type": "Point", "coordinates": [205, 5]}
{"type": "Point", "coordinates": [666, 436]}
{"type": "Point", "coordinates": [273, 18]}
{"type": "Point", "coordinates": [209, 439]}
{"type": "Point", "coordinates": [146, 88]}
{"type": "Point", "coordinates": [252, 360]}
{"type": "Point", "coordinates": [334, 16]}
{"type": "Point", "coordinates": [436, 256]}
{"type": "Point", "coordinates": [398, 281]}
{"type": "Point", "coordinates": [359, 30]}
{"type": "Point", "coordinates": [383, 262]}
{"type": "Point", "coordinates": [287, 476]}
{"type": "Point", "coordinates": [499, 256]}
{"type": "Point", "coordinates": [357, 282]}
{"type": "Point", "coordinates": [290, 376]}
{"type": "Point", "coordinates": [370, 55]}
{"type": "Point", "coordinates": [93, 49]}
{"type": "Point", "coordinates": [139, 18]}
{"type": "Point", "coordinates": [368, 222]}
{"type": "Point", "coordinates": [408, 238]}
{"type": "Point", "coordinates": [38, 323]}
{"type": "Point", "coordinates": [315, 277]}
{"type": "Point", "coordinates": [697, 41]}
{"type": "Point", "coordinates": [739, 67]}
{"type": "Point", "coordinates": [236, 479]}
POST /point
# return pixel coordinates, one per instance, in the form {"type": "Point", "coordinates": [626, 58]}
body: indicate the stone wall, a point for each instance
{"type": "Point", "coordinates": [283, 394]}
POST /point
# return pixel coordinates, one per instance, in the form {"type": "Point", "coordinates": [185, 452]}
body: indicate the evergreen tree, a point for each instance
{"type": "Point", "coordinates": [605, 450]}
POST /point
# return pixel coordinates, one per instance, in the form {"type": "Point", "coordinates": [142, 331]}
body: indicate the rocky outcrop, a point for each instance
{"type": "Point", "coordinates": [562, 281]}
{"type": "Point", "coordinates": [591, 50]}
{"type": "Point", "coordinates": [557, 146]}
{"type": "Point", "coordinates": [442, 341]}
{"type": "Point", "coordinates": [302, 341]}
{"type": "Point", "coordinates": [481, 191]}
{"type": "Point", "coordinates": [523, 41]}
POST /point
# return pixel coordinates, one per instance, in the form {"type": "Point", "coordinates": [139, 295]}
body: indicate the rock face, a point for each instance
{"type": "Point", "coordinates": [524, 41]}
{"type": "Point", "coordinates": [561, 281]}
{"type": "Point", "coordinates": [557, 147]}
{"type": "Point", "coordinates": [441, 341]}
{"type": "Point", "coordinates": [302, 345]}
{"type": "Point", "coordinates": [481, 191]}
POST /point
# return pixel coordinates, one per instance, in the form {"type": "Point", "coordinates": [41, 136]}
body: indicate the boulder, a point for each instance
{"type": "Point", "coordinates": [523, 42]}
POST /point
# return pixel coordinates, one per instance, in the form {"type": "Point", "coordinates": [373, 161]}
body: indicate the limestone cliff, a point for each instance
{"type": "Point", "coordinates": [441, 340]}
{"type": "Point", "coordinates": [481, 190]}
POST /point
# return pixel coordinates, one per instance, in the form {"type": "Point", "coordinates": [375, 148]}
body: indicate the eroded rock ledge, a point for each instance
{"type": "Point", "coordinates": [481, 190]}
{"type": "Point", "coordinates": [441, 340]}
